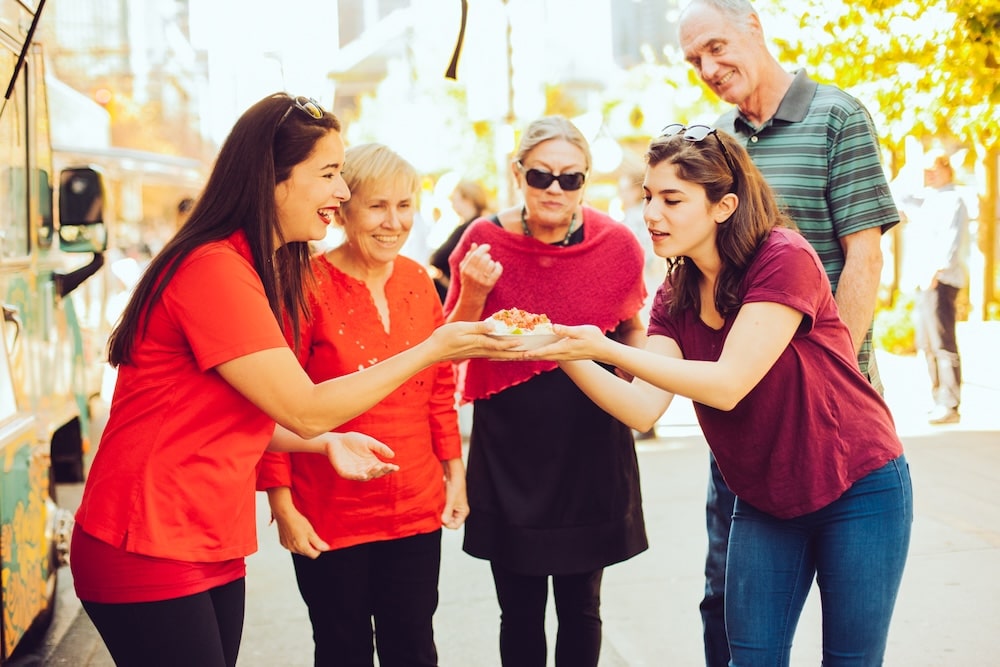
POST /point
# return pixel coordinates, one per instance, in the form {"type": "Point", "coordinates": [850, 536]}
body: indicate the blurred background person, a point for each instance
{"type": "Point", "coordinates": [553, 479]}
{"type": "Point", "coordinates": [936, 245]}
{"type": "Point", "coordinates": [371, 552]}
{"type": "Point", "coordinates": [417, 246]}
{"type": "Point", "coordinates": [470, 201]}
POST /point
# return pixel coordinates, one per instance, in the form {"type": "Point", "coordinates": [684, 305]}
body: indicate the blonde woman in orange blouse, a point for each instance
{"type": "Point", "coordinates": [371, 551]}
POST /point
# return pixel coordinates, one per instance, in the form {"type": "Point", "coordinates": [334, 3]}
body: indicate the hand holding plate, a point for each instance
{"type": "Point", "coordinates": [572, 343]}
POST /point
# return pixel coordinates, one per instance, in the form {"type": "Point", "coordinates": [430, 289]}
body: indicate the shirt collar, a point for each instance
{"type": "Point", "coordinates": [794, 105]}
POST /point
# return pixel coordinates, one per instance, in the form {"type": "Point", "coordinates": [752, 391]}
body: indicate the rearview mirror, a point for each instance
{"type": "Point", "coordinates": [81, 211]}
{"type": "Point", "coordinates": [81, 196]}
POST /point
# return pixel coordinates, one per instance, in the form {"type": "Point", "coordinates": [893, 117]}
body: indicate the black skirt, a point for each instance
{"type": "Point", "coordinates": [553, 481]}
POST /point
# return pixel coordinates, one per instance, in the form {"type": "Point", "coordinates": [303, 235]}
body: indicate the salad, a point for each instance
{"type": "Point", "coordinates": [514, 321]}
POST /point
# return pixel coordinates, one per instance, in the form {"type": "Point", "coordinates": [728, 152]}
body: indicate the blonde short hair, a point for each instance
{"type": "Point", "coordinates": [365, 164]}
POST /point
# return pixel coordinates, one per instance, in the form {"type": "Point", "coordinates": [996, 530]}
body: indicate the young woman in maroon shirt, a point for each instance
{"type": "Point", "coordinates": [746, 326]}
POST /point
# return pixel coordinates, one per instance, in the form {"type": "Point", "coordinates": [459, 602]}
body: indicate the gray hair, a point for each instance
{"type": "Point", "coordinates": [738, 11]}
{"type": "Point", "coordinates": [548, 128]}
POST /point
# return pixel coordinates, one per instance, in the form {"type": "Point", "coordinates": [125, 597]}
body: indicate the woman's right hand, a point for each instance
{"type": "Point", "coordinates": [295, 532]}
{"type": "Point", "coordinates": [480, 272]}
{"type": "Point", "coordinates": [464, 340]}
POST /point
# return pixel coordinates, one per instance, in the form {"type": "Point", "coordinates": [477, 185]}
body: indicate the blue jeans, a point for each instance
{"type": "Point", "coordinates": [855, 548]}
{"type": "Point", "coordinates": [718, 518]}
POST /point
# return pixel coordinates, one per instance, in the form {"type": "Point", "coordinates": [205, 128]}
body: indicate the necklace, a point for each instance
{"type": "Point", "coordinates": [527, 232]}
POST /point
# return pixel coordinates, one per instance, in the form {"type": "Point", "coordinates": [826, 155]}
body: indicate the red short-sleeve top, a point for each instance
{"type": "Point", "coordinates": [175, 471]}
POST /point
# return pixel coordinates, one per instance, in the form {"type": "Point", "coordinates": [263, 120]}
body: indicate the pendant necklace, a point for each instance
{"type": "Point", "coordinates": [527, 232]}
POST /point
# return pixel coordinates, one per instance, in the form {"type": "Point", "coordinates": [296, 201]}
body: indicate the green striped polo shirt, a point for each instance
{"type": "Point", "coordinates": [820, 155]}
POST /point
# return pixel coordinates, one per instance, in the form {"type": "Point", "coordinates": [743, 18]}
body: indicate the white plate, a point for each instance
{"type": "Point", "coordinates": [528, 341]}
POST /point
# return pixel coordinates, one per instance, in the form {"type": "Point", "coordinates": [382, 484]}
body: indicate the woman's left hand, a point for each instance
{"type": "Point", "coordinates": [456, 503]}
{"type": "Point", "coordinates": [355, 456]}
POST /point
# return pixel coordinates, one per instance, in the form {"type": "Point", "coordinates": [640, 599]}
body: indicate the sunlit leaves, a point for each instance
{"type": "Point", "coordinates": [924, 67]}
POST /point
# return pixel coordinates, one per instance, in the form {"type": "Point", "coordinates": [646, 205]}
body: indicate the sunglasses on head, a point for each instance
{"type": "Point", "coordinates": [307, 105]}
{"type": "Point", "coordinates": [541, 180]}
{"type": "Point", "coordinates": [696, 133]}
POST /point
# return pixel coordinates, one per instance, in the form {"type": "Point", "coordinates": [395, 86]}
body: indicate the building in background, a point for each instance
{"type": "Point", "coordinates": [640, 28]}
{"type": "Point", "coordinates": [175, 74]}
{"type": "Point", "coordinates": [513, 49]}
{"type": "Point", "coordinates": [136, 60]}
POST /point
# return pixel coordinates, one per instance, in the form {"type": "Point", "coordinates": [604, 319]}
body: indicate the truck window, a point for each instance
{"type": "Point", "coordinates": [13, 170]}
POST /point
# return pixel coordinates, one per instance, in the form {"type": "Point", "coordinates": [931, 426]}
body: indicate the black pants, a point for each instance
{"type": "Point", "coordinates": [202, 630]}
{"type": "Point", "coordinates": [522, 601]}
{"type": "Point", "coordinates": [394, 581]}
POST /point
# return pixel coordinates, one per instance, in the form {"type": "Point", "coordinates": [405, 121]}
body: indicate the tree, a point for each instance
{"type": "Point", "coordinates": [925, 68]}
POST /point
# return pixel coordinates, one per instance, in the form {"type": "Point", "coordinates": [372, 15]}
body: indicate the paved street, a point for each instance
{"type": "Point", "coordinates": [948, 606]}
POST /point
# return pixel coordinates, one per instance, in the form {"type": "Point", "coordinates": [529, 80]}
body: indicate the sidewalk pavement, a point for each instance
{"type": "Point", "coordinates": [948, 605]}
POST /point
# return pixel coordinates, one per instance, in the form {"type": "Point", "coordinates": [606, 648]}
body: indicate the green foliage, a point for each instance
{"type": "Point", "coordinates": [893, 330]}
{"type": "Point", "coordinates": [654, 94]}
{"type": "Point", "coordinates": [923, 67]}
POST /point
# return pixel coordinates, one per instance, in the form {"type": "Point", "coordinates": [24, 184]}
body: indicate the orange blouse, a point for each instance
{"type": "Point", "coordinates": [418, 420]}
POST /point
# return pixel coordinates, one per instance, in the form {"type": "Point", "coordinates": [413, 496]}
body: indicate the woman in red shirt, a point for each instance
{"type": "Point", "coordinates": [367, 552]}
{"type": "Point", "coordinates": [747, 327]}
{"type": "Point", "coordinates": [207, 382]}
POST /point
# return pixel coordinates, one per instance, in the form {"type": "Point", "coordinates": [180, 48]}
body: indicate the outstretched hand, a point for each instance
{"type": "Point", "coordinates": [579, 342]}
{"type": "Point", "coordinates": [465, 340]}
{"type": "Point", "coordinates": [355, 456]}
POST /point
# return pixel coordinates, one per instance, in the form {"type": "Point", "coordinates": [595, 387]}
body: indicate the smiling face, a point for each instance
{"type": "Point", "coordinates": [681, 219]}
{"type": "Point", "coordinates": [378, 220]}
{"type": "Point", "coordinates": [551, 208]}
{"type": "Point", "coordinates": [727, 55]}
{"type": "Point", "coordinates": [313, 192]}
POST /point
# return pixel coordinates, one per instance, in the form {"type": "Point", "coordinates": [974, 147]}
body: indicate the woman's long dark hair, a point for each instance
{"type": "Point", "coordinates": [738, 238]}
{"type": "Point", "coordinates": [265, 144]}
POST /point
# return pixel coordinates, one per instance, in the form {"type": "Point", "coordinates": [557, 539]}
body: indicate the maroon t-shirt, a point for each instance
{"type": "Point", "coordinates": [813, 425]}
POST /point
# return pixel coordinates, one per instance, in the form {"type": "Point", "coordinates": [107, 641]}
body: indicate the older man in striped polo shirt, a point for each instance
{"type": "Point", "coordinates": [817, 147]}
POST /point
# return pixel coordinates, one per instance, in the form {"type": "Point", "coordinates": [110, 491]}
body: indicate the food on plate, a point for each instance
{"type": "Point", "coordinates": [514, 321]}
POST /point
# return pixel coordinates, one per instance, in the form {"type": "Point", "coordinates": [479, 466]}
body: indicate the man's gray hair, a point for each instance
{"type": "Point", "coordinates": [738, 11]}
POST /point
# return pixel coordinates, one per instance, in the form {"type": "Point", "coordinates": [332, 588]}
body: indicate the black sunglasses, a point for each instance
{"type": "Point", "coordinates": [307, 105]}
{"type": "Point", "coordinates": [541, 180]}
{"type": "Point", "coordinates": [699, 133]}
